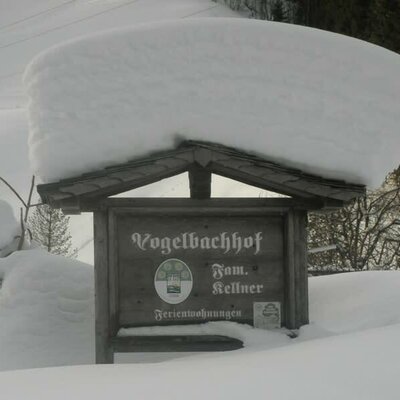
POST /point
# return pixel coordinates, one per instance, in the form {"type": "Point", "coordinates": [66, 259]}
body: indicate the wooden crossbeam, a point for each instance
{"type": "Point", "coordinates": [179, 343]}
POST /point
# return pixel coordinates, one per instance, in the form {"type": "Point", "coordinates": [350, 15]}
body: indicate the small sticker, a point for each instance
{"type": "Point", "coordinates": [173, 281]}
{"type": "Point", "coordinates": [267, 315]}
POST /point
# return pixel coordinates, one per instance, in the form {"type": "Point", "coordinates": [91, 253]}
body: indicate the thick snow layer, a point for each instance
{"type": "Point", "coordinates": [361, 366]}
{"type": "Point", "coordinates": [46, 311]}
{"type": "Point", "coordinates": [28, 27]}
{"type": "Point", "coordinates": [8, 224]}
{"type": "Point", "coordinates": [319, 101]}
{"type": "Point", "coordinates": [356, 301]}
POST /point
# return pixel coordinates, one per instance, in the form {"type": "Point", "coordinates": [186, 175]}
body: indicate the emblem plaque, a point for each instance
{"type": "Point", "coordinates": [173, 281]}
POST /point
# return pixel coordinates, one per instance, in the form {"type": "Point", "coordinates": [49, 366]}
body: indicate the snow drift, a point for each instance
{"type": "Point", "coordinates": [47, 312]}
{"type": "Point", "coordinates": [362, 366]}
{"type": "Point", "coordinates": [8, 224]}
{"type": "Point", "coordinates": [308, 98]}
{"type": "Point", "coordinates": [352, 302]}
{"type": "Point", "coordinates": [47, 319]}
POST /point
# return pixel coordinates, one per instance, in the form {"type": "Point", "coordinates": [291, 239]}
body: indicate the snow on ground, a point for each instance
{"type": "Point", "coordinates": [47, 313]}
{"type": "Point", "coordinates": [362, 366]}
{"type": "Point", "coordinates": [355, 301]}
{"type": "Point", "coordinates": [308, 98]}
{"type": "Point", "coordinates": [349, 351]}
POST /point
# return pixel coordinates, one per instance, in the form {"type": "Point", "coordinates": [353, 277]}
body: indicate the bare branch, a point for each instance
{"type": "Point", "coordinates": [14, 191]}
{"type": "Point", "coordinates": [22, 237]}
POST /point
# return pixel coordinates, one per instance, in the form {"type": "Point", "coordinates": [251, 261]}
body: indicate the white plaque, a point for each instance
{"type": "Point", "coordinates": [267, 315]}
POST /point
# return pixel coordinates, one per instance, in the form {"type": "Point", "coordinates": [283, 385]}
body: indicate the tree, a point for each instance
{"type": "Point", "coordinates": [49, 227]}
{"type": "Point", "coordinates": [278, 11]}
{"type": "Point", "coordinates": [384, 27]}
{"type": "Point", "coordinates": [349, 17]}
{"type": "Point", "coordinates": [258, 9]}
{"type": "Point", "coordinates": [293, 11]}
{"type": "Point", "coordinates": [376, 21]}
{"type": "Point", "coordinates": [366, 232]}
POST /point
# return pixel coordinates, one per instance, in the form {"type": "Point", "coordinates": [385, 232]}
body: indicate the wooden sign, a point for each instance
{"type": "Point", "coordinates": [182, 261]}
{"type": "Point", "coordinates": [187, 261]}
{"type": "Point", "coordinates": [175, 269]}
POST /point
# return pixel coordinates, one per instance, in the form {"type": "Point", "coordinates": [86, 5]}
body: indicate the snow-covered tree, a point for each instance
{"type": "Point", "coordinates": [50, 228]}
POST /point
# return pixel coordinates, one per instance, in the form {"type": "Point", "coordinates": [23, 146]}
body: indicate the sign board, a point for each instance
{"type": "Point", "coordinates": [161, 261]}
{"type": "Point", "coordinates": [191, 268]}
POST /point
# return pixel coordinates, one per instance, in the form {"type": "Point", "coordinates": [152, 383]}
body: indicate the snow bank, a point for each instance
{"type": "Point", "coordinates": [8, 224]}
{"type": "Point", "coordinates": [46, 311]}
{"type": "Point", "coordinates": [353, 302]}
{"type": "Point", "coordinates": [309, 98]}
{"type": "Point", "coordinates": [47, 316]}
{"type": "Point", "coordinates": [349, 367]}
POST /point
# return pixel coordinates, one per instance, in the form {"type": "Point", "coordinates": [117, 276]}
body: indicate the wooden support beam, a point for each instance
{"type": "Point", "coordinates": [113, 284]}
{"type": "Point", "coordinates": [180, 343]}
{"type": "Point", "coordinates": [199, 182]}
{"type": "Point", "coordinates": [104, 351]}
{"type": "Point", "coordinates": [301, 273]}
{"type": "Point", "coordinates": [290, 293]}
{"type": "Point", "coordinates": [175, 205]}
{"type": "Point", "coordinates": [296, 269]}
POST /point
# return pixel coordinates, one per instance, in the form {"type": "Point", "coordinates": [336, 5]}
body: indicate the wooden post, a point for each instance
{"type": "Point", "coordinates": [301, 273]}
{"type": "Point", "coordinates": [200, 182]}
{"type": "Point", "coordinates": [296, 269]}
{"type": "Point", "coordinates": [290, 296]}
{"type": "Point", "coordinates": [104, 351]}
{"type": "Point", "coordinates": [113, 284]}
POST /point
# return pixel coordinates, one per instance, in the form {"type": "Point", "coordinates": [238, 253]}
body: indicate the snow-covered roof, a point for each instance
{"type": "Point", "coordinates": [301, 97]}
{"type": "Point", "coordinates": [84, 192]}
